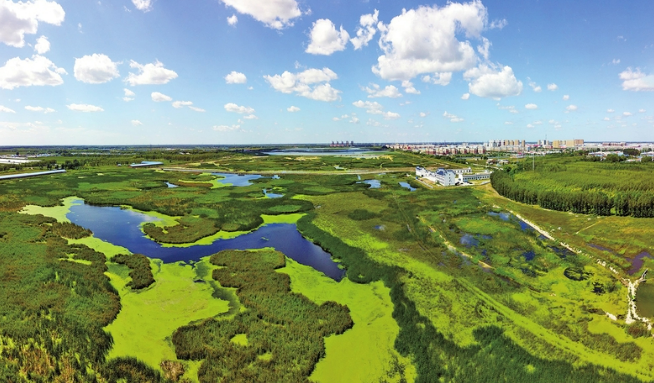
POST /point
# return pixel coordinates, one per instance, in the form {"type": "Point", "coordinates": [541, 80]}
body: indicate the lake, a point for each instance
{"type": "Point", "coordinates": [237, 180]}
{"type": "Point", "coordinates": [122, 227]}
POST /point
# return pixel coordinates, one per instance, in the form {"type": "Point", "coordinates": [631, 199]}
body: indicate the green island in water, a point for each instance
{"type": "Point", "coordinates": [229, 266]}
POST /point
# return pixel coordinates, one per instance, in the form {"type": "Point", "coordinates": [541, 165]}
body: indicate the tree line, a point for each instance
{"type": "Point", "coordinates": [628, 203]}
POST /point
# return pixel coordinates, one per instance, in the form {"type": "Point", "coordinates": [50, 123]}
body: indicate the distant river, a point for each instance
{"type": "Point", "coordinates": [122, 227]}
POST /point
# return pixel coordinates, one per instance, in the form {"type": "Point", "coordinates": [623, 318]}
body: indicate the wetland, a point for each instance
{"type": "Point", "coordinates": [319, 277]}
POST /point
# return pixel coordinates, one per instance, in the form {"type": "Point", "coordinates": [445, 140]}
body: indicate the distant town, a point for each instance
{"type": "Point", "coordinates": [519, 148]}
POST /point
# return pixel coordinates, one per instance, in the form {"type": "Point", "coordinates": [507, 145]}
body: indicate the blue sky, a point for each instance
{"type": "Point", "coordinates": [298, 71]}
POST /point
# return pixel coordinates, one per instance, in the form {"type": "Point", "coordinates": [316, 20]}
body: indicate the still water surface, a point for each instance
{"type": "Point", "coordinates": [122, 227]}
{"type": "Point", "coordinates": [237, 180]}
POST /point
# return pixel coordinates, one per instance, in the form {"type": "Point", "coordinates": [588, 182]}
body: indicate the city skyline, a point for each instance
{"type": "Point", "coordinates": [247, 71]}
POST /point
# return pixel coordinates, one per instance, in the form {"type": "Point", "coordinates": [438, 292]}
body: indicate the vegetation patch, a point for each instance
{"type": "Point", "coordinates": [140, 270]}
{"type": "Point", "coordinates": [189, 229]}
{"type": "Point", "coordinates": [276, 321]}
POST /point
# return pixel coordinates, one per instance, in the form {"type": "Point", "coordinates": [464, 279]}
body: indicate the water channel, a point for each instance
{"type": "Point", "coordinates": [122, 227]}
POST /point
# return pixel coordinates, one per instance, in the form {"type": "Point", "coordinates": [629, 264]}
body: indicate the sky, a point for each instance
{"type": "Point", "coordinates": [220, 72]}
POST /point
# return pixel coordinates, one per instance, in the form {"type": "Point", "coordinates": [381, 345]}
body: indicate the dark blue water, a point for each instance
{"type": "Point", "coordinates": [122, 227]}
{"type": "Point", "coordinates": [237, 180]}
{"type": "Point", "coordinates": [468, 240]}
{"type": "Point", "coordinates": [271, 194]}
{"type": "Point", "coordinates": [407, 186]}
{"type": "Point", "coordinates": [525, 226]}
{"type": "Point", "coordinates": [529, 255]}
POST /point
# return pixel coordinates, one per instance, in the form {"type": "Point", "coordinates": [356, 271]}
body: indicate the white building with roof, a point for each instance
{"type": "Point", "coordinates": [442, 176]}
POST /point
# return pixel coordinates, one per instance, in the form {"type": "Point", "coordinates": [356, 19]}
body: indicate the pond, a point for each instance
{"type": "Point", "coordinates": [407, 186]}
{"type": "Point", "coordinates": [645, 299]}
{"type": "Point", "coordinates": [121, 227]}
{"type": "Point", "coordinates": [374, 184]}
{"type": "Point", "coordinates": [270, 194]}
{"type": "Point", "coordinates": [236, 179]}
{"type": "Point", "coordinates": [171, 186]}
{"type": "Point", "coordinates": [638, 261]}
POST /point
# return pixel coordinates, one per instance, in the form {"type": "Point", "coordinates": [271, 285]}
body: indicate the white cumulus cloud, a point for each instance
{"type": "Point", "coordinates": [424, 40]}
{"type": "Point", "coordinates": [150, 74]}
{"type": "Point", "coordinates": [84, 108]}
{"type": "Point", "coordinates": [20, 18]}
{"type": "Point", "coordinates": [366, 30]}
{"type": "Point", "coordinates": [409, 88]}
{"type": "Point", "coordinates": [181, 104]}
{"type": "Point", "coordinates": [236, 78]}
{"type": "Point", "coordinates": [293, 109]}
{"type": "Point", "coordinates": [160, 97]}
{"type": "Point", "coordinates": [276, 14]}
{"type": "Point", "coordinates": [491, 83]}
{"type": "Point", "coordinates": [143, 5]}
{"type": "Point", "coordinates": [531, 106]}
{"type": "Point", "coordinates": [443, 78]}
{"type": "Point", "coordinates": [325, 39]}
{"type": "Point", "coordinates": [552, 87]}
{"type": "Point", "coordinates": [37, 71]}
{"type": "Point", "coordinates": [452, 117]}
{"type": "Point", "coordinates": [626, 114]}
{"type": "Point", "coordinates": [251, 117]}
{"type": "Point", "coordinates": [39, 109]}
{"type": "Point", "coordinates": [232, 20]}
{"type": "Point", "coordinates": [572, 108]}
{"type": "Point", "coordinates": [136, 123]}
{"type": "Point", "coordinates": [535, 87]}
{"type": "Point", "coordinates": [610, 111]}
{"type": "Point", "coordinates": [375, 91]}
{"type": "Point", "coordinates": [231, 107]}
{"type": "Point", "coordinates": [4, 109]}
{"type": "Point", "coordinates": [95, 69]}
{"type": "Point", "coordinates": [129, 95]}
{"type": "Point", "coordinates": [391, 115]}
{"type": "Point", "coordinates": [42, 45]}
{"type": "Point", "coordinates": [641, 111]}
{"type": "Point", "coordinates": [566, 97]}
{"type": "Point", "coordinates": [637, 81]}
{"type": "Point", "coordinates": [372, 107]}
{"type": "Point", "coordinates": [312, 84]}
{"type": "Point", "coordinates": [465, 96]}
{"type": "Point", "coordinates": [196, 109]}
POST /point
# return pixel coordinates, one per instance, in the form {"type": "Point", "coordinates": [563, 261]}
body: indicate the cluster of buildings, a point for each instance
{"type": "Point", "coordinates": [440, 150]}
{"type": "Point", "coordinates": [506, 145]}
{"type": "Point", "coordinates": [451, 177]}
